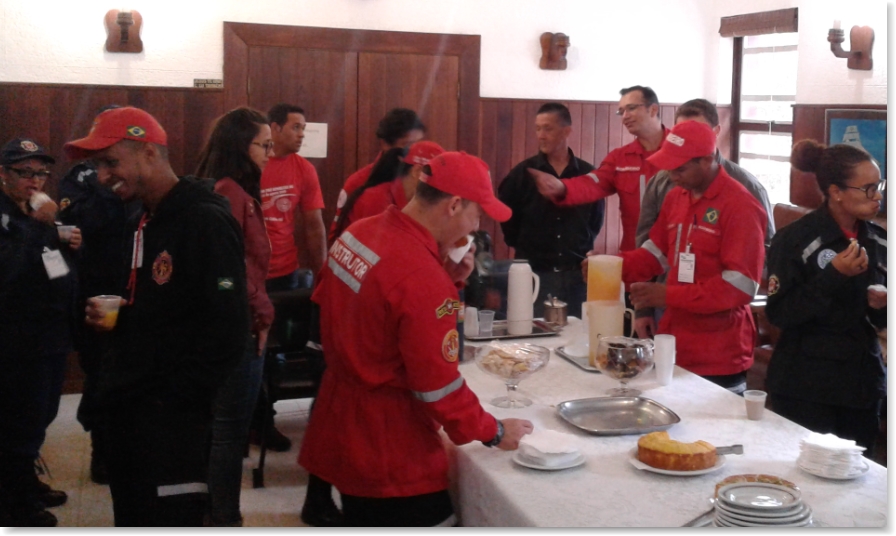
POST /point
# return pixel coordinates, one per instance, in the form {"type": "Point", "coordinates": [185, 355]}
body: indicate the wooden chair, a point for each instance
{"type": "Point", "coordinates": [290, 370]}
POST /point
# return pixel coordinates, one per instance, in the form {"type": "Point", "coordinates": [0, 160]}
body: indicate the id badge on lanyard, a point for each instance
{"type": "Point", "coordinates": [687, 261]}
{"type": "Point", "coordinates": [54, 264]}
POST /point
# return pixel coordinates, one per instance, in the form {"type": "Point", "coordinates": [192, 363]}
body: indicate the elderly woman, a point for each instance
{"type": "Point", "coordinates": [37, 293]}
{"type": "Point", "coordinates": [827, 293]}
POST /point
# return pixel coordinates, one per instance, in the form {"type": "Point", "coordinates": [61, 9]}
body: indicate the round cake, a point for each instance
{"type": "Point", "coordinates": [657, 450]}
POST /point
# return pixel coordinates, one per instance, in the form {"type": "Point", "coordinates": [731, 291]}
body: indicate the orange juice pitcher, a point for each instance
{"type": "Point", "coordinates": [604, 277]}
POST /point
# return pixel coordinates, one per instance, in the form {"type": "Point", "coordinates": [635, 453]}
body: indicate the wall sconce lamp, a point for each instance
{"type": "Point", "coordinates": [861, 39]}
{"type": "Point", "coordinates": [123, 31]}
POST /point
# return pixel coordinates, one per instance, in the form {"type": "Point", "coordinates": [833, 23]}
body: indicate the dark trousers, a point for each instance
{"type": "Point", "coordinates": [158, 464]}
{"type": "Point", "coordinates": [30, 388]}
{"type": "Point", "coordinates": [859, 425]}
{"type": "Point", "coordinates": [429, 510]}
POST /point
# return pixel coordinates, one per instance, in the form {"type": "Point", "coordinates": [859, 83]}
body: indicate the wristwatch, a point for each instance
{"type": "Point", "coordinates": [498, 437]}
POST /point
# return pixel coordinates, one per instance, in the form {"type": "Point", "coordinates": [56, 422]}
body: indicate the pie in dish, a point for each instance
{"type": "Point", "coordinates": [656, 449]}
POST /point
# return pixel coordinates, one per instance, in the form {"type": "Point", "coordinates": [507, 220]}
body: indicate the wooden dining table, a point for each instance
{"type": "Point", "coordinates": [490, 490]}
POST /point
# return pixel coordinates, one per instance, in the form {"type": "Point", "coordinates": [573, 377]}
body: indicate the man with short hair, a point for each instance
{"type": "Point", "coordinates": [181, 329]}
{"type": "Point", "coordinates": [704, 111]}
{"type": "Point", "coordinates": [292, 202]}
{"type": "Point", "coordinates": [389, 305]}
{"type": "Point", "coordinates": [625, 171]}
{"type": "Point", "coordinates": [709, 237]}
{"type": "Point", "coordinates": [554, 239]}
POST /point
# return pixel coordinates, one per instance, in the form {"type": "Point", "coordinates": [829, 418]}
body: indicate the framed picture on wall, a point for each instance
{"type": "Point", "coordinates": [866, 129]}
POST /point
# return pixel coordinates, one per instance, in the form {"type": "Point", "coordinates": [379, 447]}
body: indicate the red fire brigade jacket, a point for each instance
{"type": "Point", "coordinates": [710, 318]}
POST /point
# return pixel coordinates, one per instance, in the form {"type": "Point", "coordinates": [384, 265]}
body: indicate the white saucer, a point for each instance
{"type": "Point", "coordinates": [577, 350]}
{"type": "Point", "coordinates": [819, 474]}
{"type": "Point", "coordinates": [519, 459]}
{"type": "Point", "coordinates": [759, 496]}
{"type": "Point", "coordinates": [633, 459]}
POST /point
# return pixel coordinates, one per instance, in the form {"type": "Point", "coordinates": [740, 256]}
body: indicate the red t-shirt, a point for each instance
{"type": "Point", "coordinates": [286, 183]}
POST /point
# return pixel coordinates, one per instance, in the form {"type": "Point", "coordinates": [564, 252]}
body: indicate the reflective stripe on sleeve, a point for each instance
{"type": "Point", "coordinates": [741, 282]}
{"type": "Point", "coordinates": [346, 278]}
{"type": "Point", "coordinates": [879, 240]}
{"type": "Point", "coordinates": [811, 248]}
{"type": "Point", "coordinates": [594, 177]}
{"type": "Point", "coordinates": [655, 251]}
{"type": "Point", "coordinates": [182, 489]}
{"type": "Point", "coordinates": [360, 248]}
{"type": "Point", "coordinates": [438, 394]}
{"type": "Point", "coordinates": [314, 346]}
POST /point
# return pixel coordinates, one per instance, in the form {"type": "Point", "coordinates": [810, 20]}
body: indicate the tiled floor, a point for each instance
{"type": "Point", "coordinates": [67, 453]}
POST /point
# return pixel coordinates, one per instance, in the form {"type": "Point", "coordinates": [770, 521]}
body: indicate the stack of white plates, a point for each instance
{"type": "Point", "coordinates": [829, 456]}
{"type": "Point", "coordinates": [761, 505]}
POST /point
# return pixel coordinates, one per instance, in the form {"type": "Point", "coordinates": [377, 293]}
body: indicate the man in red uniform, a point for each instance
{"type": "Point", "coordinates": [400, 127]}
{"type": "Point", "coordinates": [389, 305]}
{"type": "Point", "coordinates": [292, 202]}
{"type": "Point", "coordinates": [625, 171]}
{"type": "Point", "coordinates": [709, 236]}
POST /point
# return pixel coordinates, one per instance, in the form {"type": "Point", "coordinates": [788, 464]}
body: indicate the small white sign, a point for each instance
{"type": "Point", "coordinates": [315, 143]}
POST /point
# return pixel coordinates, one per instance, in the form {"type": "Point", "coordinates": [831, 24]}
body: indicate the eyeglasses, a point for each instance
{"type": "Point", "coordinates": [870, 190]}
{"type": "Point", "coordinates": [628, 108]}
{"type": "Point", "coordinates": [26, 173]}
{"type": "Point", "coordinates": [268, 146]}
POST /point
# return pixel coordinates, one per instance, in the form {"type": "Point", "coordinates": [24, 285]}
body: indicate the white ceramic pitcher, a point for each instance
{"type": "Point", "coordinates": [520, 297]}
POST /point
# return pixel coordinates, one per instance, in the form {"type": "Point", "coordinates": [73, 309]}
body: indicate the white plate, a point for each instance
{"type": "Point", "coordinates": [795, 510]}
{"type": "Point", "coordinates": [822, 475]}
{"type": "Point", "coordinates": [759, 496]}
{"type": "Point", "coordinates": [802, 513]}
{"type": "Point", "coordinates": [732, 522]}
{"type": "Point", "coordinates": [519, 459]}
{"type": "Point", "coordinates": [577, 350]}
{"type": "Point", "coordinates": [633, 459]}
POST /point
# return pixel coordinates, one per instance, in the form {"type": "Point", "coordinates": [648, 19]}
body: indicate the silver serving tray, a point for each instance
{"type": "Point", "coordinates": [581, 362]}
{"type": "Point", "coordinates": [617, 415]}
{"type": "Point", "coordinates": [499, 331]}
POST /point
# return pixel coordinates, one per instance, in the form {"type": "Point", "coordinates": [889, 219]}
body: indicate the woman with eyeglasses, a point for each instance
{"type": "Point", "coordinates": [37, 315]}
{"type": "Point", "coordinates": [234, 156]}
{"type": "Point", "coordinates": [827, 292]}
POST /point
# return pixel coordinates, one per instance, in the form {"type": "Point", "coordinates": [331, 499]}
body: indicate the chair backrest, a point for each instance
{"type": "Point", "coordinates": [292, 320]}
{"type": "Point", "coordinates": [785, 214]}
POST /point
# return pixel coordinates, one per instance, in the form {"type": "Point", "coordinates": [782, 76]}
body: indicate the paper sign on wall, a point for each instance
{"type": "Point", "coordinates": [315, 143]}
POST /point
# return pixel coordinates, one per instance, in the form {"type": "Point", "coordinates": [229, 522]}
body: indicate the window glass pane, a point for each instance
{"type": "Point", "coordinates": [771, 40]}
{"type": "Point", "coordinates": [766, 157]}
{"type": "Point", "coordinates": [767, 110]}
{"type": "Point", "coordinates": [769, 73]}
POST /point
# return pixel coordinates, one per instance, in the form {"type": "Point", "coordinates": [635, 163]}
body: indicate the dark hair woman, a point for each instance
{"type": "Point", "coordinates": [827, 293]}
{"type": "Point", "coordinates": [235, 154]}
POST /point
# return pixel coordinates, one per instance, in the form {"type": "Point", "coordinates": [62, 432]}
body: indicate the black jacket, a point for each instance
{"type": "Point", "coordinates": [189, 322]}
{"type": "Point", "coordinates": [548, 235]}
{"type": "Point", "coordinates": [828, 352]}
{"type": "Point", "coordinates": [36, 312]}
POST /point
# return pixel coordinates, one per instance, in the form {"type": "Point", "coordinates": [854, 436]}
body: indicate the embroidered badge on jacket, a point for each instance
{"type": "Point", "coordinates": [711, 216]}
{"type": "Point", "coordinates": [773, 285]}
{"type": "Point", "coordinates": [162, 268]}
{"type": "Point", "coordinates": [451, 346]}
{"type": "Point", "coordinates": [825, 257]}
{"type": "Point", "coordinates": [447, 308]}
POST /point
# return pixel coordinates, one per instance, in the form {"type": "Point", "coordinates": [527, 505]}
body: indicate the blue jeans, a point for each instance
{"type": "Point", "coordinates": [230, 432]}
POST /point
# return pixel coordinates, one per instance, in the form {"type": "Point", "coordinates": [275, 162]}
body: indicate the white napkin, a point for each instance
{"type": "Point", "coordinates": [549, 447]}
{"type": "Point", "coordinates": [831, 456]}
{"type": "Point", "coordinates": [457, 254]}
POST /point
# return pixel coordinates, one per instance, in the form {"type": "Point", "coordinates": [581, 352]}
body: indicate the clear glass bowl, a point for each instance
{"type": "Point", "coordinates": [512, 362]}
{"type": "Point", "coordinates": [624, 359]}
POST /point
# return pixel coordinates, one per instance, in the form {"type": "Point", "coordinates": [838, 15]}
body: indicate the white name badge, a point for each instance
{"type": "Point", "coordinates": [686, 264]}
{"type": "Point", "coordinates": [54, 263]}
{"type": "Point", "coordinates": [137, 257]}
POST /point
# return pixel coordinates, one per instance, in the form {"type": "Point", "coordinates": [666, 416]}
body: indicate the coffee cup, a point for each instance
{"type": "Point", "coordinates": [755, 401]}
{"type": "Point", "coordinates": [65, 232]}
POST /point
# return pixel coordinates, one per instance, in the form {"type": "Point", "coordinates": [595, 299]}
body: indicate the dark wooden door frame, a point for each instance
{"type": "Point", "coordinates": [238, 37]}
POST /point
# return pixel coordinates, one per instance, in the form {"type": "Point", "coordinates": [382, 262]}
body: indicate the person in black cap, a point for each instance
{"type": "Point", "coordinates": [37, 288]}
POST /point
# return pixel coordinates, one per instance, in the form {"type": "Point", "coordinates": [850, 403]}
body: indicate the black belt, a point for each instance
{"type": "Point", "coordinates": [550, 266]}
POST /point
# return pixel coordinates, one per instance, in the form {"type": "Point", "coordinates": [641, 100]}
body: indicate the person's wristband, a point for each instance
{"type": "Point", "coordinates": [498, 437]}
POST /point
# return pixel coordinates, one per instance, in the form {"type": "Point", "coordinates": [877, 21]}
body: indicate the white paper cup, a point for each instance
{"type": "Point", "coordinates": [109, 305]}
{"type": "Point", "coordinates": [664, 358]}
{"type": "Point", "coordinates": [65, 232]}
{"type": "Point", "coordinates": [471, 321]}
{"type": "Point", "coordinates": [755, 401]}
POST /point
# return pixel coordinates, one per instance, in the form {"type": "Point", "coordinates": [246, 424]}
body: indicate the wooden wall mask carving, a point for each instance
{"type": "Point", "coordinates": [123, 31]}
{"type": "Point", "coordinates": [553, 51]}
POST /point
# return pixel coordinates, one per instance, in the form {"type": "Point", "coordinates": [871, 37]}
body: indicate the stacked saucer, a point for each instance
{"type": "Point", "coordinates": [828, 456]}
{"type": "Point", "coordinates": [755, 504]}
{"type": "Point", "coordinates": [548, 450]}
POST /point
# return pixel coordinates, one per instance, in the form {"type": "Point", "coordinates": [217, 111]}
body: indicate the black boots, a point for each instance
{"type": "Point", "coordinates": [98, 471]}
{"type": "Point", "coordinates": [20, 496]}
{"type": "Point", "coordinates": [319, 509]}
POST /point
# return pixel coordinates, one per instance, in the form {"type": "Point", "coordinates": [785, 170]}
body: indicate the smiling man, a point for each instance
{"type": "Point", "coordinates": [552, 238]}
{"type": "Point", "coordinates": [181, 328]}
{"type": "Point", "coordinates": [709, 237]}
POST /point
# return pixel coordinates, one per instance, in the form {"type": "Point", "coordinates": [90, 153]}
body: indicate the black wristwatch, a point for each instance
{"type": "Point", "coordinates": [498, 437]}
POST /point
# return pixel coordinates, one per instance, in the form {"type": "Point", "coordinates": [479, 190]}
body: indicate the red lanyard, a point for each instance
{"type": "Point", "coordinates": [138, 253]}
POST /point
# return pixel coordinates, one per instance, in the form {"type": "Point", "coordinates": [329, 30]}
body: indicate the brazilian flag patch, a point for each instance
{"type": "Point", "coordinates": [137, 132]}
{"type": "Point", "coordinates": [225, 283]}
{"type": "Point", "coordinates": [711, 216]}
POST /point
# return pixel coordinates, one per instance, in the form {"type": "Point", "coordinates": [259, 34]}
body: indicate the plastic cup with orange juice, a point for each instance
{"type": "Point", "coordinates": [109, 306]}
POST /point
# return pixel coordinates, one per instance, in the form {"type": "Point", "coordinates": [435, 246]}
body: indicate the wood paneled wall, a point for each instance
{"type": "Point", "coordinates": [809, 123]}
{"type": "Point", "coordinates": [53, 114]}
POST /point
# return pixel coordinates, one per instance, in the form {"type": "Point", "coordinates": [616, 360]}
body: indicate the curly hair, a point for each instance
{"type": "Point", "coordinates": [831, 165]}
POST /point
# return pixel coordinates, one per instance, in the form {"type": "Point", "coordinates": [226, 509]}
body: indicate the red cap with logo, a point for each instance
{"type": "Point", "coordinates": [464, 175]}
{"type": "Point", "coordinates": [422, 152]}
{"type": "Point", "coordinates": [687, 140]}
{"type": "Point", "coordinates": [112, 126]}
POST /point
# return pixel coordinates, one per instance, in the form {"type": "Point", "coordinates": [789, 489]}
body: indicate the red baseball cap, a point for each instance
{"type": "Point", "coordinates": [422, 152]}
{"type": "Point", "coordinates": [686, 140]}
{"type": "Point", "coordinates": [112, 126]}
{"type": "Point", "coordinates": [464, 175]}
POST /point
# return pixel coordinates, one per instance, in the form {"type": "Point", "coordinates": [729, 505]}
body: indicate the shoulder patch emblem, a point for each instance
{"type": "Point", "coordinates": [451, 346]}
{"type": "Point", "coordinates": [711, 216]}
{"type": "Point", "coordinates": [447, 308]}
{"type": "Point", "coordinates": [773, 285]}
{"type": "Point", "coordinates": [825, 257]}
{"type": "Point", "coordinates": [162, 268]}
{"type": "Point", "coordinates": [64, 203]}
{"type": "Point", "coordinates": [225, 283]}
{"type": "Point", "coordinates": [136, 132]}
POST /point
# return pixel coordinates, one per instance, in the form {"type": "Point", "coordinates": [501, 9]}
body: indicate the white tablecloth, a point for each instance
{"type": "Point", "coordinates": [607, 491]}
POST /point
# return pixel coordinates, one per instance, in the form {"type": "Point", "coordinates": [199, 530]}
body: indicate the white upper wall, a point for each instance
{"type": "Point", "coordinates": [671, 45]}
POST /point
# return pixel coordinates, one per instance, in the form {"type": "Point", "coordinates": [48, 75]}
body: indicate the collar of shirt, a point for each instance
{"type": "Point", "coordinates": [396, 217]}
{"type": "Point", "coordinates": [571, 170]}
{"type": "Point", "coordinates": [635, 146]}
